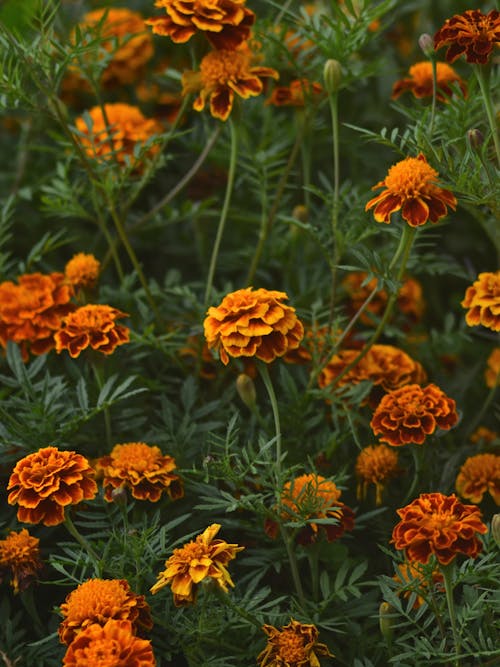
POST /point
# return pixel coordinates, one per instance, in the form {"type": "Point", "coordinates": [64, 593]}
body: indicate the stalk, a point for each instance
{"type": "Point", "coordinates": [333, 99]}
{"type": "Point", "coordinates": [73, 531]}
{"type": "Point", "coordinates": [447, 571]}
{"type": "Point", "coordinates": [488, 107]}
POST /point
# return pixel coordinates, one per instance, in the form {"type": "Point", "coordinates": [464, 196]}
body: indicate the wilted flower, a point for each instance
{"type": "Point", "coordinates": [20, 556]}
{"type": "Point", "coordinates": [420, 81]}
{"type": "Point", "coordinates": [376, 464]}
{"type": "Point", "coordinates": [294, 645]}
{"type": "Point", "coordinates": [482, 299]}
{"type": "Point", "coordinates": [82, 270]}
{"type": "Point", "coordinates": [492, 372]}
{"type": "Point", "coordinates": [297, 94]}
{"type": "Point", "coordinates": [472, 33]}
{"type": "Point", "coordinates": [91, 326]}
{"type": "Point", "coordinates": [413, 578]}
{"type": "Point", "coordinates": [479, 474]}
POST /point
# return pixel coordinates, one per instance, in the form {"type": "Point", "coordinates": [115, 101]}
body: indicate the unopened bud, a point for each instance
{"type": "Point", "coordinates": [426, 43]}
{"type": "Point", "coordinates": [495, 528]}
{"type": "Point", "coordinates": [332, 75]}
{"type": "Point", "coordinates": [246, 390]}
{"type": "Point", "coordinates": [300, 213]}
{"type": "Point", "coordinates": [475, 137]}
{"type": "Point", "coordinates": [386, 621]}
{"type": "Point", "coordinates": [119, 495]}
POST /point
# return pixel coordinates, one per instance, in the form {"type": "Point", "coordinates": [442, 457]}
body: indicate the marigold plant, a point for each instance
{"type": "Point", "coordinates": [20, 558]}
{"type": "Point", "coordinates": [376, 464]}
{"type": "Point", "coordinates": [472, 34]}
{"type": "Point", "coordinates": [82, 270]}
{"type": "Point", "coordinates": [480, 474]}
{"type": "Point", "coordinates": [420, 81]}
{"type": "Point", "coordinates": [482, 300]}
{"type": "Point", "coordinates": [492, 372]}
{"type": "Point", "coordinates": [293, 645]}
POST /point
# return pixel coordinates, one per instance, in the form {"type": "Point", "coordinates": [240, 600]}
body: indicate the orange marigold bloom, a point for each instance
{"type": "Point", "coordinates": [111, 645]}
{"type": "Point", "coordinates": [472, 33]}
{"type": "Point", "coordinates": [42, 484]}
{"type": "Point", "coordinates": [253, 324]}
{"type": "Point", "coordinates": [492, 372]}
{"type": "Point", "coordinates": [92, 325]}
{"type": "Point", "coordinates": [479, 474]}
{"type": "Point", "coordinates": [225, 23]}
{"type": "Point", "coordinates": [441, 525]}
{"type": "Point", "coordinates": [20, 554]}
{"type": "Point", "coordinates": [82, 270]}
{"type": "Point", "coordinates": [484, 435]}
{"type": "Point", "coordinates": [420, 81]}
{"type": "Point", "coordinates": [410, 186]}
{"type": "Point", "coordinates": [294, 645]}
{"type": "Point", "coordinates": [192, 563]}
{"type": "Point", "coordinates": [141, 468]}
{"type": "Point", "coordinates": [375, 464]}
{"type": "Point", "coordinates": [95, 601]}
{"type": "Point", "coordinates": [223, 74]}
{"type": "Point", "coordinates": [413, 578]}
{"type": "Point", "coordinates": [482, 299]}
{"type": "Point", "coordinates": [297, 94]}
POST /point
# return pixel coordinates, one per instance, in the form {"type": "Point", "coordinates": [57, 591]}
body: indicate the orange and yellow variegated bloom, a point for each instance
{"type": "Point", "coordinates": [411, 187]}
{"type": "Point", "coordinates": [420, 81]}
{"type": "Point", "coordinates": [195, 561]}
{"type": "Point", "coordinates": [297, 94]}
{"type": "Point", "coordinates": [441, 525]}
{"type": "Point", "coordinates": [20, 556]}
{"type": "Point", "coordinates": [91, 326]}
{"type": "Point", "coordinates": [82, 270]}
{"type": "Point", "coordinates": [472, 33]}
{"type": "Point", "coordinates": [492, 372]}
{"type": "Point", "coordinates": [253, 323]}
{"type": "Point", "coordinates": [293, 645]}
{"type": "Point", "coordinates": [44, 483]}
{"type": "Point", "coordinates": [479, 474]}
{"type": "Point", "coordinates": [413, 578]}
{"type": "Point", "coordinates": [482, 299]}
{"type": "Point", "coordinates": [375, 464]}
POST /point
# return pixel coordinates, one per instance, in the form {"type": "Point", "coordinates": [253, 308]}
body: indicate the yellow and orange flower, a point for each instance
{"type": "Point", "coordinates": [411, 187]}
{"type": "Point", "coordinates": [142, 469]}
{"type": "Point", "coordinates": [113, 644]}
{"type": "Point", "coordinates": [375, 464]}
{"type": "Point", "coordinates": [294, 645]}
{"type": "Point", "coordinates": [411, 413]}
{"type": "Point", "coordinates": [492, 372]}
{"type": "Point", "coordinates": [441, 525]}
{"type": "Point", "coordinates": [472, 33]}
{"type": "Point", "coordinates": [482, 299]}
{"type": "Point", "coordinates": [251, 323]}
{"type": "Point", "coordinates": [420, 81]}
{"type": "Point", "coordinates": [95, 601]}
{"type": "Point", "coordinates": [91, 326]}
{"type": "Point", "coordinates": [82, 271]}
{"type": "Point", "coordinates": [44, 483]}
{"type": "Point", "coordinates": [297, 94]}
{"type": "Point", "coordinates": [20, 556]}
{"type": "Point", "coordinates": [479, 474]}
{"type": "Point", "coordinates": [413, 578]}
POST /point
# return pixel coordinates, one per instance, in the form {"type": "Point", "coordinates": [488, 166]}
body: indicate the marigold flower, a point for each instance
{"type": "Point", "coordinates": [222, 74]}
{"type": "Point", "coordinates": [420, 81]}
{"type": "Point", "coordinates": [441, 525]}
{"type": "Point", "coordinates": [297, 94]}
{"type": "Point", "coordinates": [413, 578]}
{"type": "Point", "coordinates": [294, 645]}
{"type": "Point", "coordinates": [92, 325]}
{"type": "Point", "coordinates": [253, 324]}
{"type": "Point", "coordinates": [225, 23]}
{"type": "Point", "coordinates": [479, 474]}
{"type": "Point", "coordinates": [112, 644]}
{"type": "Point", "coordinates": [410, 186]}
{"type": "Point", "coordinates": [96, 601]}
{"type": "Point", "coordinates": [375, 464]}
{"type": "Point", "coordinates": [472, 33]}
{"type": "Point", "coordinates": [42, 484]}
{"type": "Point", "coordinates": [82, 270]}
{"type": "Point", "coordinates": [482, 299]}
{"type": "Point", "coordinates": [411, 413]}
{"type": "Point", "coordinates": [492, 372]}
{"type": "Point", "coordinates": [191, 564]}
{"type": "Point", "coordinates": [20, 554]}
{"type": "Point", "coordinates": [484, 435]}
{"type": "Point", "coordinates": [141, 468]}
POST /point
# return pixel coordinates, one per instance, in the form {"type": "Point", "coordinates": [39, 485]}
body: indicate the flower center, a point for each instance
{"type": "Point", "coordinates": [103, 652]}
{"type": "Point", "coordinates": [219, 67]}
{"type": "Point", "coordinates": [291, 647]}
{"type": "Point", "coordinates": [410, 177]}
{"type": "Point", "coordinates": [439, 520]}
{"type": "Point", "coordinates": [136, 457]}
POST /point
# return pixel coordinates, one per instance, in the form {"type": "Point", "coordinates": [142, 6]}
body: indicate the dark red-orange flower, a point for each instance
{"type": "Point", "coordinates": [479, 474]}
{"type": "Point", "coordinates": [297, 94]}
{"type": "Point", "coordinates": [91, 326]}
{"type": "Point", "coordinates": [482, 299]}
{"type": "Point", "coordinates": [294, 645]}
{"type": "Point", "coordinates": [411, 187]}
{"type": "Point", "coordinates": [20, 557]}
{"type": "Point", "coordinates": [375, 464]}
{"type": "Point", "coordinates": [420, 81]}
{"type": "Point", "coordinates": [44, 483]}
{"type": "Point", "coordinates": [472, 33]}
{"type": "Point", "coordinates": [441, 525]}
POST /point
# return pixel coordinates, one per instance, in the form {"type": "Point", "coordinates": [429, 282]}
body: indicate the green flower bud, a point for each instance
{"type": "Point", "coordinates": [246, 390]}
{"type": "Point", "coordinates": [386, 621]}
{"type": "Point", "coordinates": [495, 528]}
{"type": "Point", "coordinates": [426, 43]}
{"type": "Point", "coordinates": [332, 75]}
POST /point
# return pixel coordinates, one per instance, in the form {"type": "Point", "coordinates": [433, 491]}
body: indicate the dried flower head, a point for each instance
{"type": "Point", "coordinates": [441, 525]}
{"type": "Point", "coordinates": [411, 413]}
{"type": "Point", "coordinates": [492, 372]}
{"type": "Point", "coordinates": [410, 186]}
{"type": "Point", "coordinates": [191, 564]}
{"type": "Point", "coordinates": [20, 556]}
{"type": "Point", "coordinates": [294, 645]}
{"type": "Point", "coordinates": [251, 323]}
{"type": "Point", "coordinates": [472, 33]}
{"type": "Point", "coordinates": [414, 578]}
{"type": "Point", "coordinates": [376, 464]}
{"type": "Point", "coordinates": [91, 326]}
{"type": "Point", "coordinates": [44, 483]}
{"type": "Point", "coordinates": [82, 270]}
{"type": "Point", "coordinates": [482, 299]}
{"type": "Point", "coordinates": [479, 474]}
{"type": "Point", "coordinates": [298, 93]}
{"type": "Point", "coordinates": [420, 81]}
{"type": "Point", "coordinates": [142, 469]}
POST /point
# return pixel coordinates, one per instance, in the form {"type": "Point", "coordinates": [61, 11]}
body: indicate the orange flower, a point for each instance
{"type": "Point", "coordinates": [94, 326]}
{"type": "Point", "coordinates": [31, 311]}
{"type": "Point", "coordinates": [479, 474]}
{"type": "Point", "coordinates": [411, 413]}
{"type": "Point", "coordinates": [96, 601]}
{"type": "Point", "coordinates": [410, 186]}
{"type": "Point", "coordinates": [492, 372]}
{"type": "Point", "coordinates": [439, 525]}
{"type": "Point", "coordinates": [112, 644]}
{"type": "Point", "coordinates": [192, 563]}
{"type": "Point", "coordinates": [413, 578]}
{"type": "Point", "coordinates": [45, 482]}
{"type": "Point", "coordinates": [420, 81]}
{"type": "Point", "coordinates": [19, 553]}
{"type": "Point", "coordinates": [222, 74]}
{"type": "Point", "coordinates": [253, 324]}
{"type": "Point", "coordinates": [375, 464]}
{"type": "Point", "coordinates": [299, 93]}
{"type": "Point", "coordinates": [484, 435]}
{"type": "Point", "coordinates": [295, 645]}
{"type": "Point", "coordinates": [82, 270]}
{"type": "Point", "coordinates": [225, 23]}
{"type": "Point", "coordinates": [471, 33]}
{"type": "Point", "coordinates": [482, 299]}
{"type": "Point", "coordinates": [142, 469]}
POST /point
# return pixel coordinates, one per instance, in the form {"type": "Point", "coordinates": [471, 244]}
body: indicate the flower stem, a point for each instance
{"type": "Point", "coordinates": [488, 106]}
{"type": "Point", "coordinates": [417, 452]}
{"type": "Point", "coordinates": [73, 531]}
{"type": "Point", "coordinates": [226, 600]}
{"type": "Point", "coordinates": [264, 373]}
{"type": "Point", "coordinates": [333, 99]}
{"type": "Point", "coordinates": [107, 418]}
{"type": "Point", "coordinates": [434, 95]}
{"type": "Point", "coordinates": [447, 571]}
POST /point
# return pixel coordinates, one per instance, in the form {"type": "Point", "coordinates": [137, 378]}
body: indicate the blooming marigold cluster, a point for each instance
{"type": "Point", "coordinates": [195, 561]}
{"type": "Point", "coordinates": [479, 474]}
{"type": "Point", "coordinates": [20, 556]}
{"type": "Point", "coordinates": [44, 483]}
{"type": "Point", "coordinates": [411, 413]}
{"type": "Point", "coordinates": [95, 601]}
{"type": "Point", "coordinates": [375, 464]}
{"type": "Point", "coordinates": [482, 299]}
{"type": "Point", "coordinates": [142, 469]}
{"type": "Point", "coordinates": [250, 323]}
{"type": "Point", "coordinates": [297, 94]}
{"type": "Point", "coordinates": [420, 81]}
{"type": "Point", "coordinates": [293, 645]}
{"type": "Point", "coordinates": [413, 578]}
{"type": "Point", "coordinates": [410, 187]}
{"type": "Point", "coordinates": [472, 33]}
{"type": "Point", "coordinates": [441, 525]}
{"type": "Point", "coordinates": [82, 271]}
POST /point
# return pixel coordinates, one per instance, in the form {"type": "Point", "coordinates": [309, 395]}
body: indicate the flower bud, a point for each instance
{"type": "Point", "coordinates": [300, 213]}
{"type": "Point", "coordinates": [495, 528]}
{"type": "Point", "coordinates": [426, 43]}
{"type": "Point", "coordinates": [386, 621]}
{"type": "Point", "coordinates": [246, 390]}
{"type": "Point", "coordinates": [475, 138]}
{"type": "Point", "coordinates": [119, 495]}
{"type": "Point", "coordinates": [332, 75]}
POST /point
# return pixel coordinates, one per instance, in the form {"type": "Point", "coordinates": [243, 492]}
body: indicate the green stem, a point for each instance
{"type": "Point", "coordinates": [72, 530]}
{"type": "Point", "coordinates": [292, 560]}
{"type": "Point", "coordinates": [226, 600]}
{"type": "Point", "coordinates": [434, 96]}
{"type": "Point", "coordinates": [264, 373]}
{"type": "Point", "coordinates": [333, 99]}
{"type": "Point", "coordinates": [313, 557]}
{"type": "Point", "coordinates": [447, 571]}
{"type": "Point", "coordinates": [483, 410]}
{"type": "Point", "coordinates": [107, 417]}
{"type": "Point", "coordinates": [305, 149]}
{"type": "Point", "coordinates": [417, 452]}
{"type": "Point", "coordinates": [488, 106]}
